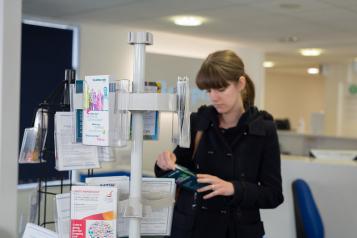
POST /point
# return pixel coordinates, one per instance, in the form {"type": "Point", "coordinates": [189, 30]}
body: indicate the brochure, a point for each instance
{"type": "Point", "coordinates": [71, 155]}
{"type": "Point", "coordinates": [98, 111]}
{"type": "Point", "coordinates": [122, 184]}
{"type": "Point", "coordinates": [151, 118]}
{"type": "Point", "coordinates": [35, 231]}
{"type": "Point", "coordinates": [63, 214]}
{"type": "Point", "coordinates": [93, 212]}
{"type": "Point", "coordinates": [158, 200]}
{"type": "Point", "coordinates": [184, 178]}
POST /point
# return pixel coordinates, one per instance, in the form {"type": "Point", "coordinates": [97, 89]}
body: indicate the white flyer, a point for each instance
{"type": "Point", "coordinates": [122, 184]}
{"type": "Point", "coordinates": [63, 219]}
{"type": "Point", "coordinates": [35, 231]}
{"type": "Point", "coordinates": [158, 199]}
{"type": "Point", "coordinates": [93, 212]}
{"type": "Point", "coordinates": [71, 155]}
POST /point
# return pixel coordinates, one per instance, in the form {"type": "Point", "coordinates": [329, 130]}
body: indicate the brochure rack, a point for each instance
{"type": "Point", "coordinates": [46, 155]}
{"type": "Point", "coordinates": [139, 102]}
{"type": "Point", "coordinates": [41, 154]}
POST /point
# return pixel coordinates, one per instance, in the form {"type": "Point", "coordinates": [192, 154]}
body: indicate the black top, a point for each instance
{"type": "Point", "coordinates": [248, 156]}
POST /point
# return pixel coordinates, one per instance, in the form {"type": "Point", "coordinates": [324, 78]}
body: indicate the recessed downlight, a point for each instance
{"type": "Point", "coordinates": [289, 39]}
{"type": "Point", "coordinates": [313, 70]}
{"type": "Point", "coordinates": [289, 5]}
{"type": "Point", "coordinates": [311, 52]}
{"type": "Point", "coordinates": [188, 20]}
{"type": "Point", "coordinates": [268, 64]}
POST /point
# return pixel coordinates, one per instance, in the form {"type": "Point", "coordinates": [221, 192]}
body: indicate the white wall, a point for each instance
{"type": "Point", "coordinates": [294, 96]}
{"type": "Point", "coordinates": [104, 49]}
{"type": "Point", "coordinates": [336, 73]}
{"type": "Point", "coordinates": [194, 47]}
{"type": "Point", "coordinates": [10, 20]}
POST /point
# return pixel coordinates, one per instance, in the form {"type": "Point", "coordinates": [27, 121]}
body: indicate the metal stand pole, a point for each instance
{"type": "Point", "coordinates": [139, 40]}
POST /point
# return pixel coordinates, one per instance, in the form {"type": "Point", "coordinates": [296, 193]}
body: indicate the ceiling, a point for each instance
{"type": "Point", "coordinates": [264, 24]}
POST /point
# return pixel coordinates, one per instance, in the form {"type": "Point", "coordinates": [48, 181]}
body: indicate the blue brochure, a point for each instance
{"type": "Point", "coordinates": [184, 178]}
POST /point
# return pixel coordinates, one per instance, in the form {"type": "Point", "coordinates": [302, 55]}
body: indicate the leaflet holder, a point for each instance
{"type": "Point", "coordinates": [122, 113]}
{"type": "Point", "coordinates": [178, 104]}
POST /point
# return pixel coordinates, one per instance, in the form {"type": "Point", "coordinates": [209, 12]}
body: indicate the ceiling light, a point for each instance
{"type": "Point", "coordinates": [313, 70]}
{"type": "Point", "coordinates": [268, 64]}
{"type": "Point", "coordinates": [188, 20]}
{"type": "Point", "coordinates": [311, 52]}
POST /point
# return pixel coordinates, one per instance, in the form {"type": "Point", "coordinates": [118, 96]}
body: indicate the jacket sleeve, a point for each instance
{"type": "Point", "coordinates": [268, 192]}
{"type": "Point", "coordinates": [183, 155]}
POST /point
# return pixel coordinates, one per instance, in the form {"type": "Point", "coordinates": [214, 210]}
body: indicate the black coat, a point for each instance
{"type": "Point", "coordinates": [251, 162]}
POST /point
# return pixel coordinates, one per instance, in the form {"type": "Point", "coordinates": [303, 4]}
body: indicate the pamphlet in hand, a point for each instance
{"type": "Point", "coordinates": [184, 178]}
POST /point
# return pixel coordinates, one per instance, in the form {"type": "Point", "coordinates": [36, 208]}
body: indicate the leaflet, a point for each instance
{"type": "Point", "coordinates": [93, 212]}
{"type": "Point", "coordinates": [71, 155]}
{"type": "Point", "coordinates": [158, 199]}
{"type": "Point", "coordinates": [98, 111]}
{"type": "Point", "coordinates": [184, 178]}
{"type": "Point", "coordinates": [35, 231]}
{"type": "Point", "coordinates": [122, 184]}
{"type": "Point", "coordinates": [63, 221]}
{"type": "Point", "coordinates": [151, 118]}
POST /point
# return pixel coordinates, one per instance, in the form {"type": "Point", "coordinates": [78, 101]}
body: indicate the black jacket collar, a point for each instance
{"type": "Point", "coordinates": [252, 120]}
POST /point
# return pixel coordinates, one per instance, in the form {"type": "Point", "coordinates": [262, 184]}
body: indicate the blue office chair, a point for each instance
{"type": "Point", "coordinates": [307, 217]}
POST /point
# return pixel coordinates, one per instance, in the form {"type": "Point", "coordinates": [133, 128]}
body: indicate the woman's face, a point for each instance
{"type": "Point", "coordinates": [226, 99]}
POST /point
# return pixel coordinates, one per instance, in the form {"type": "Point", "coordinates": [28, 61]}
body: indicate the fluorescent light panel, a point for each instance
{"type": "Point", "coordinates": [313, 70]}
{"type": "Point", "coordinates": [188, 20]}
{"type": "Point", "coordinates": [311, 52]}
{"type": "Point", "coordinates": [268, 64]}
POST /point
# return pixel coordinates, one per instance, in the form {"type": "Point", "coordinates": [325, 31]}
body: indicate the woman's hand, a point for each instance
{"type": "Point", "coordinates": [216, 185]}
{"type": "Point", "coordinates": [166, 160]}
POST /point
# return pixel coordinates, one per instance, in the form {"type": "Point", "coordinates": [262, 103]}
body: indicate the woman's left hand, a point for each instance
{"type": "Point", "coordinates": [216, 185]}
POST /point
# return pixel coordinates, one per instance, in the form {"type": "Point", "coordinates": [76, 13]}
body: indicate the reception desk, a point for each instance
{"type": "Point", "coordinates": [300, 144]}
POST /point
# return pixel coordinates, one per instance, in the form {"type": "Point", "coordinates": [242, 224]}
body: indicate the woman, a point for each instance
{"type": "Point", "coordinates": [236, 157]}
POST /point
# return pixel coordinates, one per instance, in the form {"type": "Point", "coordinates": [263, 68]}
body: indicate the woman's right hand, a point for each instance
{"type": "Point", "coordinates": [166, 160]}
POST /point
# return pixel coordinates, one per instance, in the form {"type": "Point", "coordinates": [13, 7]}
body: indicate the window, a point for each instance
{"type": "Point", "coordinates": [47, 50]}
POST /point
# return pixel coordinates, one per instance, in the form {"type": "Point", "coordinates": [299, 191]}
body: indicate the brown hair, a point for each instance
{"type": "Point", "coordinates": [222, 67]}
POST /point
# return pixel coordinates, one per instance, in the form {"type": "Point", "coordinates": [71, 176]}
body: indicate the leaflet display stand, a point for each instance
{"type": "Point", "coordinates": [35, 151]}
{"type": "Point", "coordinates": [139, 102]}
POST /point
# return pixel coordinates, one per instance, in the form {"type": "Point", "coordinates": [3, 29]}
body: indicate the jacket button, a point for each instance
{"type": "Point", "coordinates": [245, 133]}
{"type": "Point", "coordinates": [242, 174]}
{"type": "Point", "coordinates": [229, 154]}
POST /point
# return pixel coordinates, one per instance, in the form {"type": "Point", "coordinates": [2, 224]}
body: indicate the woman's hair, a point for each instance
{"type": "Point", "coordinates": [222, 67]}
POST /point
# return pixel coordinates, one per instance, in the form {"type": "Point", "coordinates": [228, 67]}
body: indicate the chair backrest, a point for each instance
{"type": "Point", "coordinates": [307, 217]}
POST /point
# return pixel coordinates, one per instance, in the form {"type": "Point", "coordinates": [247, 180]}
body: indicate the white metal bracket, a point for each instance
{"type": "Point", "coordinates": [140, 38]}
